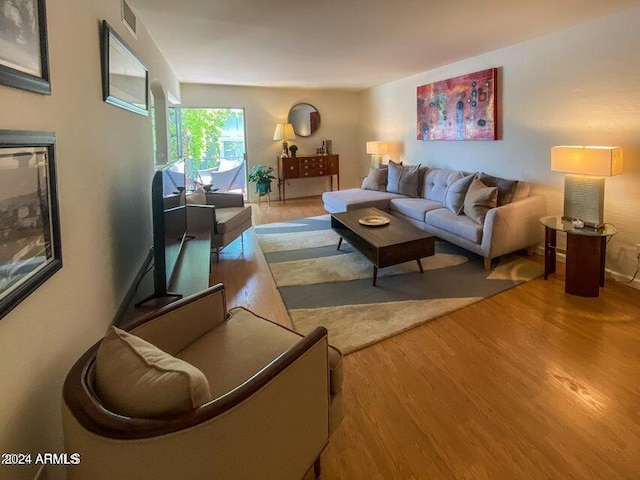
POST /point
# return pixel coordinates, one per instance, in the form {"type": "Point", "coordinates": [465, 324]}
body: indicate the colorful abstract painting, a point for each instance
{"type": "Point", "coordinates": [460, 108]}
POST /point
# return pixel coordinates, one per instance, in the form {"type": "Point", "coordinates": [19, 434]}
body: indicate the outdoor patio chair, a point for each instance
{"type": "Point", "coordinates": [233, 179]}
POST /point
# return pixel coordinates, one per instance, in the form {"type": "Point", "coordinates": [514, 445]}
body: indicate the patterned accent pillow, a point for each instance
{"type": "Point", "coordinates": [479, 200]}
{"type": "Point", "coordinates": [456, 193]}
{"type": "Point", "coordinates": [376, 180]}
{"type": "Point", "coordinates": [403, 179]}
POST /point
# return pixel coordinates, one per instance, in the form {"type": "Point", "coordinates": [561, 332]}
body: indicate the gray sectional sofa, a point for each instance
{"type": "Point", "coordinates": [512, 225]}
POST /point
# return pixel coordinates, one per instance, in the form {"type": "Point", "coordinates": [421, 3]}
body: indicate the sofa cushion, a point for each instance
{"type": "Point", "coordinates": [455, 193]}
{"type": "Point", "coordinates": [413, 207]}
{"type": "Point", "coordinates": [403, 179]}
{"type": "Point", "coordinates": [479, 200]}
{"type": "Point", "coordinates": [343, 200]}
{"type": "Point", "coordinates": [376, 179]}
{"type": "Point", "coordinates": [458, 225]}
{"type": "Point", "coordinates": [506, 188]}
{"type": "Point", "coordinates": [136, 379]}
{"type": "Point", "coordinates": [436, 182]}
{"type": "Point", "coordinates": [232, 217]}
{"type": "Point", "coordinates": [234, 351]}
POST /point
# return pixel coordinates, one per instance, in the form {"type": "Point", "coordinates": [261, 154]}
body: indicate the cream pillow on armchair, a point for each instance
{"type": "Point", "coordinates": [197, 197]}
{"type": "Point", "coordinates": [136, 379]}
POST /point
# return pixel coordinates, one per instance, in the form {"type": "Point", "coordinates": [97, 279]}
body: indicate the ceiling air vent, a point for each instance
{"type": "Point", "coordinates": [129, 17]}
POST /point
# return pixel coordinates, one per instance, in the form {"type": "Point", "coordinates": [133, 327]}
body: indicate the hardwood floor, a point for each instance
{"type": "Point", "coordinates": [529, 384]}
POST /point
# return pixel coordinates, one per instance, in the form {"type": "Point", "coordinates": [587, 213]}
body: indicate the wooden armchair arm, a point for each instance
{"type": "Point", "coordinates": [84, 404]}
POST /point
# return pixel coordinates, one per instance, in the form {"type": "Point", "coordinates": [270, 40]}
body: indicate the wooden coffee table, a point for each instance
{"type": "Point", "coordinates": [384, 246]}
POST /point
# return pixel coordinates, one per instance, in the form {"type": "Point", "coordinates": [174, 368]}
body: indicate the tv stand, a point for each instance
{"type": "Point", "coordinates": [191, 276]}
{"type": "Point", "coordinates": [158, 299]}
{"type": "Point", "coordinates": [194, 265]}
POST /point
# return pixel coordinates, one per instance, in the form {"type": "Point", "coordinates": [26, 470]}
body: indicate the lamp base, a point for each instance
{"type": "Point", "coordinates": [584, 200]}
{"type": "Point", "coordinates": [285, 149]}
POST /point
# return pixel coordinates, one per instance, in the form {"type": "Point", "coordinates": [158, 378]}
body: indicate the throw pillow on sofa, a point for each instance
{"type": "Point", "coordinates": [376, 179]}
{"type": "Point", "coordinates": [479, 200]}
{"type": "Point", "coordinates": [436, 181]}
{"type": "Point", "coordinates": [506, 188]}
{"type": "Point", "coordinates": [136, 379]}
{"type": "Point", "coordinates": [455, 194]}
{"type": "Point", "coordinates": [403, 179]}
{"type": "Point", "coordinates": [521, 191]}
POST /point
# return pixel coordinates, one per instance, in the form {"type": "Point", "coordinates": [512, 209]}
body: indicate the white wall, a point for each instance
{"type": "Point", "coordinates": [575, 87]}
{"type": "Point", "coordinates": [104, 158]}
{"type": "Point", "coordinates": [264, 107]}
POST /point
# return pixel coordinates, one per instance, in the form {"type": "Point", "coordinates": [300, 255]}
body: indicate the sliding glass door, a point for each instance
{"type": "Point", "coordinates": [212, 142]}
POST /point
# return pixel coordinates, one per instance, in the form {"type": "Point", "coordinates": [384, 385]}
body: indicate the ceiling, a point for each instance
{"type": "Point", "coordinates": [344, 44]}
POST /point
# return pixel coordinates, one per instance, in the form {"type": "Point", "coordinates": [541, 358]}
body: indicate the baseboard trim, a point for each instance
{"type": "Point", "coordinates": [128, 297]}
{"type": "Point", "coordinates": [622, 279]}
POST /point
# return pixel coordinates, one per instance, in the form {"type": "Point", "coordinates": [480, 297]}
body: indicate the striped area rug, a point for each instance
{"type": "Point", "coordinates": [323, 286]}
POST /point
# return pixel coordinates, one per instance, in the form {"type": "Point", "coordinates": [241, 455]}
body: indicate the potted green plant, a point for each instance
{"type": "Point", "coordinates": [261, 175]}
{"type": "Point", "coordinates": [293, 149]}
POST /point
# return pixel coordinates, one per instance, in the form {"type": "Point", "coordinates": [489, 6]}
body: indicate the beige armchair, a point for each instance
{"type": "Point", "coordinates": [275, 398]}
{"type": "Point", "coordinates": [225, 214]}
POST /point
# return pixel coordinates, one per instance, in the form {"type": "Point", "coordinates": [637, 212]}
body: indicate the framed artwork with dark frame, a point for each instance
{"type": "Point", "coordinates": [125, 79]}
{"type": "Point", "coordinates": [24, 55]}
{"type": "Point", "coordinates": [30, 249]}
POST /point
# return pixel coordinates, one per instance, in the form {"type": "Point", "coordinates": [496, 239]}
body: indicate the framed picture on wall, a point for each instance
{"type": "Point", "coordinates": [30, 250]}
{"type": "Point", "coordinates": [125, 79]}
{"type": "Point", "coordinates": [460, 108]}
{"type": "Point", "coordinates": [24, 57]}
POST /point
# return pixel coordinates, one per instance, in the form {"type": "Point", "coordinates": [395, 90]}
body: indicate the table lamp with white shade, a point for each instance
{"type": "Point", "coordinates": [284, 132]}
{"type": "Point", "coordinates": [377, 150]}
{"type": "Point", "coordinates": [584, 186]}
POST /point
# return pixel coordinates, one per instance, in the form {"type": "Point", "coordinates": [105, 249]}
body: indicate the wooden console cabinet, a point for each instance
{"type": "Point", "coordinates": [307, 166]}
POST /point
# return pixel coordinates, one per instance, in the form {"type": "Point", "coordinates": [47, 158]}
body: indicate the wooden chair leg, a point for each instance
{"type": "Point", "coordinates": [487, 263]}
{"type": "Point", "coordinates": [316, 468]}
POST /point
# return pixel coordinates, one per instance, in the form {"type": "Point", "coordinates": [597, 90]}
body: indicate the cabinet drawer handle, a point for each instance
{"type": "Point", "coordinates": [291, 167]}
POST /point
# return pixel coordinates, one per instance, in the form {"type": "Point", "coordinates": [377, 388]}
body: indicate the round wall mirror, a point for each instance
{"type": "Point", "coordinates": [305, 119]}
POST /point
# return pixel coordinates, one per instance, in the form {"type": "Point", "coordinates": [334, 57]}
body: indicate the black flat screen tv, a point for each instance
{"type": "Point", "coordinates": [168, 204]}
